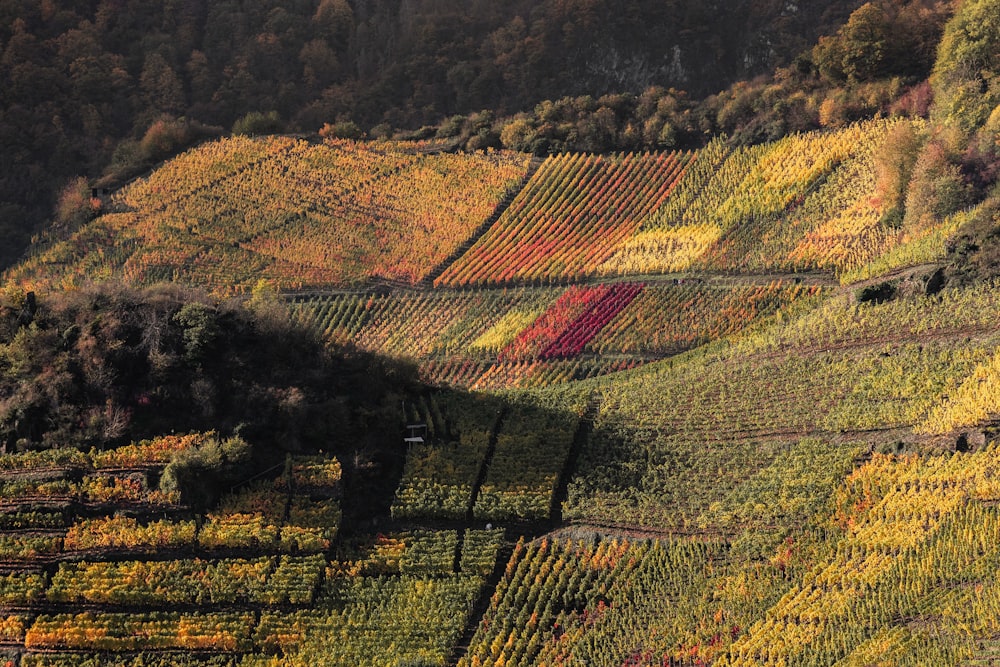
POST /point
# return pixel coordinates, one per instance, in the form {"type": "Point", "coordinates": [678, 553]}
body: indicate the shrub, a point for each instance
{"type": "Point", "coordinates": [937, 188]}
{"type": "Point", "coordinates": [342, 130]}
{"type": "Point", "coordinates": [164, 138]}
{"type": "Point", "coordinates": [257, 123]}
{"type": "Point", "coordinates": [75, 205]}
{"type": "Point", "coordinates": [198, 473]}
{"type": "Point", "coordinates": [877, 293]}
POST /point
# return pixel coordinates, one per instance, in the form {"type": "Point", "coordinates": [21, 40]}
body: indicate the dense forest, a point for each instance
{"type": "Point", "coordinates": [116, 85]}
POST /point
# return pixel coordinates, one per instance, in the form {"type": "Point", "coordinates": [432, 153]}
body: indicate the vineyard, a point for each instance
{"type": "Point", "coordinates": [299, 214]}
{"type": "Point", "coordinates": [256, 576]}
{"type": "Point", "coordinates": [308, 215]}
{"type": "Point", "coordinates": [536, 336]}
{"type": "Point", "coordinates": [672, 409]}
{"type": "Point", "coordinates": [569, 218]}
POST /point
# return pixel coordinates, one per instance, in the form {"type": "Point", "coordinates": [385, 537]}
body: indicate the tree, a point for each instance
{"type": "Point", "coordinates": [75, 206]}
{"type": "Point", "coordinates": [319, 64]}
{"type": "Point", "coordinates": [965, 77]}
{"type": "Point", "coordinates": [334, 22]}
{"type": "Point", "coordinates": [894, 166]}
{"type": "Point", "coordinates": [937, 188]}
{"type": "Point", "coordinates": [858, 51]}
{"type": "Point", "coordinates": [160, 85]}
{"type": "Point", "coordinates": [865, 44]}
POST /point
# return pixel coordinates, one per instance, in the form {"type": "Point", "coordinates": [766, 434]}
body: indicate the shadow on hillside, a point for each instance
{"type": "Point", "coordinates": [474, 459]}
{"type": "Point", "coordinates": [108, 365]}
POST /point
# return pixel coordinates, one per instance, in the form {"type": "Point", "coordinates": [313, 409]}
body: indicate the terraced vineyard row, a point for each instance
{"type": "Point", "coordinates": [919, 542]}
{"type": "Point", "coordinates": [234, 211]}
{"type": "Point", "coordinates": [807, 202]}
{"type": "Point", "coordinates": [676, 436]}
{"type": "Point", "coordinates": [255, 577]}
{"type": "Point", "coordinates": [908, 538]}
{"type": "Point", "coordinates": [531, 336]}
{"type": "Point", "coordinates": [494, 461]}
{"type": "Point", "coordinates": [311, 215]}
{"type": "Point", "coordinates": [568, 218]}
{"type": "Point", "coordinates": [49, 514]}
{"type": "Point", "coordinates": [410, 576]}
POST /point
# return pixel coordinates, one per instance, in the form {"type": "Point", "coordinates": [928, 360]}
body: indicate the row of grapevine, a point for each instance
{"type": "Point", "coordinates": [92, 490]}
{"type": "Point", "coordinates": [233, 211]}
{"type": "Point", "coordinates": [19, 589]}
{"type": "Point", "coordinates": [489, 339]}
{"type": "Point", "coordinates": [403, 586]}
{"type": "Point", "coordinates": [569, 218]}
{"type": "Point", "coordinates": [427, 324]}
{"type": "Point", "coordinates": [421, 553]}
{"type": "Point", "coordinates": [531, 449]}
{"type": "Point", "coordinates": [55, 658]}
{"type": "Point", "coordinates": [895, 563]}
{"type": "Point", "coordinates": [528, 374]}
{"type": "Point", "coordinates": [216, 631]}
{"type": "Point", "coordinates": [144, 454]}
{"type": "Point", "coordinates": [543, 334]}
{"type": "Point", "coordinates": [968, 405]}
{"type": "Point", "coordinates": [915, 247]}
{"type": "Point", "coordinates": [149, 584]}
{"type": "Point", "coordinates": [842, 322]}
{"type": "Point", "coordinates": [392, 620]}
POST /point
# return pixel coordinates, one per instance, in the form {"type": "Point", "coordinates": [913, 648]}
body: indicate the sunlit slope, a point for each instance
{"type": "Point", "coordinates": [674, 438]}
{"type": "Point", "coordinates": [891, 563]}
{"type": "Point", "coordinates": [809, 202]}
{"type": "Point", "coordinates": [326, 214]}
{"type": "Point", "coordinates": [298, 213]}
{"type": "Point", "coordinates": [569, 218]}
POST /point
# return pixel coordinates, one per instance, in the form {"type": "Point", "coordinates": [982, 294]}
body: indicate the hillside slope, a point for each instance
{"type": "Point", "coordinates": [334, 213]}
{"type": "Point", "coordinates": [821, 470]}
{"type": "Point", "coordinates": [730, 407]}
{"type": "Point", "coordinates": [97, 85]}
{"type": "Point", "coordinates": [802, 467]}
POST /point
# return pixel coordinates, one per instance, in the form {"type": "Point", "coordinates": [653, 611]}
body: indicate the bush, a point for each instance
{"type": "Point", "coordinates": [202, 330]}
{"type": "Point", "coordinates": [164, 138]}
{"type": "Point", "coordinates": [257, 123]}
{"type": "Point", "coordinates": [877, 293]}
{"type": "Point", "coordinates": [342, 130]}
{"type": "Point", "coordinates": [937, 188]}
{"type": "Point", "coordinates": [200, 472]}
{"type": "Point", "coordinates": [75, 205]}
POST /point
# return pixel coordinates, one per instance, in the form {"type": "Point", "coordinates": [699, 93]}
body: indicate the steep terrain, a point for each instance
{"type": "Point", "coordinates": [399, 405]}
{"type": "Point", "coordinates": [96, 92]}
{"type": "Point", "coordinates": [787, 449]}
